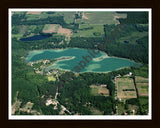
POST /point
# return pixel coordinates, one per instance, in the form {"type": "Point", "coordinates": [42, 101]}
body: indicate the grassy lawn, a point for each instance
{"type": "Point", "coordinates": [125, 83]}
{"type": "Point", "coordinates": [51, 78]}
{"type": "Point", "coordinates": [89, 30]}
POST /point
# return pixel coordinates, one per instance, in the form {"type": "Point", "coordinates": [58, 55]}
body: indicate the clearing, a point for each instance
{"type": "Point", "coordinates": [124, 84]}
{"type": "Point", "coordinates": [65, 31]}
{"type": "Point", "coordinates": [99, 90]}
{"type": "Point", "coordinates": [50, 28]}
{"type": "Point", "coordinates": [96, 111]}
{"type": "Point", "coordinates": [56, 28]}
{"type": "Point", "coordinates": [142, 85]}
{"type": "Point", "coordinates": [16, 104]}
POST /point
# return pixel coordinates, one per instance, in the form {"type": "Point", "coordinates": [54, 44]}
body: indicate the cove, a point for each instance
{"type": "Point", "coordinates": [35, 38]}
{"type": "Point", "coordinates": [100, 63]}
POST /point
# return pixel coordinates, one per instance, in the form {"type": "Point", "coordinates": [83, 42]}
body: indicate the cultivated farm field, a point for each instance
{"type": "Point", "coordinates": [125, 83]}
{"type": "Point", "coordinates": [142, 85]}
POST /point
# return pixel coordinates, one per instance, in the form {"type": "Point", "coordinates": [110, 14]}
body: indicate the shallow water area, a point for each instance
{"type": "Point", "coordinates": [85, 60]}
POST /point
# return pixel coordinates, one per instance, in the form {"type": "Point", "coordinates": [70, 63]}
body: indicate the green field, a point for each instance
{"type": "Point", "coordinates": [142, 85]}
{"type": "Point", "coordinates": [142, 89]}
{"type": "Point", "coordinates": [38, 16]}
{"type": "Point", "coordinates": [140, 79]}
{"type": "Point", "coordinates": [89, 31]}
{"type": "Point", "coordinates": [99, 91]}
{"type": "Point", "coordinates": [100, 18]}
{"type": "Point", "coordinates": [68, 16]}
{"type": "Point", "coordinates": [125, 83]}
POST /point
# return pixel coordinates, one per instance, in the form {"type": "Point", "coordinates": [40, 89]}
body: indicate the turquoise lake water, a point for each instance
{"type": "Point", "coordinates": [81, 60]}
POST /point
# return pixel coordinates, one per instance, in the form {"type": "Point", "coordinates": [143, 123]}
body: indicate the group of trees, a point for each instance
{"type": "Point", "coordinates": [18, 19]}
{"type": "Point", "coordinates": [75, 93]}
{"type": "Point", "coordinates": [135, 18]}
{"type": "Point", "coordinates": [137, 51]}
{"type": "Point", "coordinates": [90, 42]}
{"type": "Point", "coordinates": [30, 86]}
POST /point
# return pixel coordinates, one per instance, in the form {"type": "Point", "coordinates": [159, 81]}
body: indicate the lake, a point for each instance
{"type": "Point", "coordinates": [35, 38]}
{"type": "Point", "coordinates": [80, 59]}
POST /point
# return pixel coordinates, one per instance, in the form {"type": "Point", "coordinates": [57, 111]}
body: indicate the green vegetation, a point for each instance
{"type": "Point", "coordinates": [100, 18]}
{"type": "Point", "coordinates": [89, 31]}
{"type": "Point", "coordinates": [144, 101]}
{"type": "Point", "coordinates": [134, 18]}
{"type": "Point", "coordinates": [51, 78]}
{"type": "Point", "coordinates": [115, 42]}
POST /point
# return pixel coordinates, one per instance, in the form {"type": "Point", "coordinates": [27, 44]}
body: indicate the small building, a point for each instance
{"type": "Point", "coordinates": [119, 99]}
{"type": "Point", "coordinates": [130, 73]}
